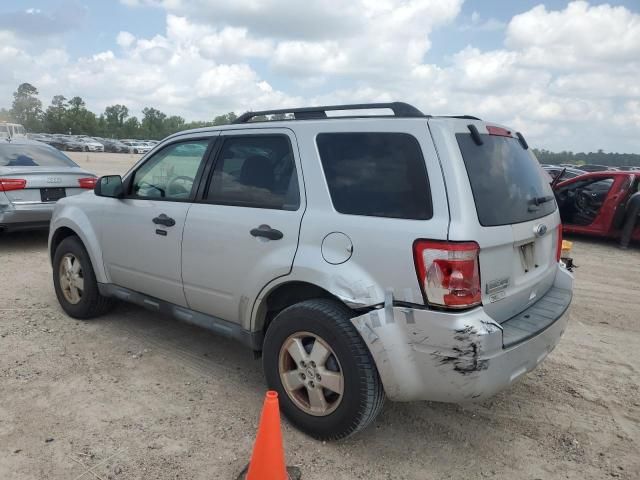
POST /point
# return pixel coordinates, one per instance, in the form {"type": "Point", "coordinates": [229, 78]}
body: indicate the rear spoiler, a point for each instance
{"type": "Point", "coordinates": [498, 131]}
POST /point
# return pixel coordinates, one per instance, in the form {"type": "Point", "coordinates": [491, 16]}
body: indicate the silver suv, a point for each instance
{"type": "Point", "coordinates": [399, 255]}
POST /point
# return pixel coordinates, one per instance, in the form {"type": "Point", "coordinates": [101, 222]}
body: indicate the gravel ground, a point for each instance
{"type": "Point", "coordinates": [135, 395]}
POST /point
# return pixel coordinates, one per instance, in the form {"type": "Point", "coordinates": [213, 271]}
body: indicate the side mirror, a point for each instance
{"type": "Point", "coordinates": [109, 186]}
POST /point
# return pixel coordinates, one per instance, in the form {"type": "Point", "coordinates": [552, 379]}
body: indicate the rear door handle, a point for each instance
{"type": "Point", "coordinates": [267, 232]}
{"type": "Point", "coordinates": [162, 219]}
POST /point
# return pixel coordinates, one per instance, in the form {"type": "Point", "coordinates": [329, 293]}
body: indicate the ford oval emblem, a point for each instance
{"type": "Point", "coordinates": [540, 229]}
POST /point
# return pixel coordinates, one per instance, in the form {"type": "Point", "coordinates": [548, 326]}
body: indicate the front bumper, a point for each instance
{"type": "Point", "coordinates": [441, 356]}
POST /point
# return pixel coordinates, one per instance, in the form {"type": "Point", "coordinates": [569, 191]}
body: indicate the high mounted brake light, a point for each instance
{"type": "Point", "coordinates": [498, 131]}
{"type": "Point", "coordinates": [448, 273]}
{"type": "Point", "coordinates": [8, 184]}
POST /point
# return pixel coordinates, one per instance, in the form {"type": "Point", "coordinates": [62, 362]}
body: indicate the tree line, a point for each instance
{"type": "Point", "coordinates": [598, 158]}
{"type": "Point", "coordinates": [70, 115]}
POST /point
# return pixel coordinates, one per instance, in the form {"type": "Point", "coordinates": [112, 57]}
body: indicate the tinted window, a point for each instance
{"type": "Point", "coordinates": [505, 179]}
{"type": "Point", "coordinates": [24, 155]}
{"type": "Point", "coordinates": [256, 171]}
{"type": "Point", "coordinates": [170, 173]}
{"type": "Point", "coordinates": [376, 174]}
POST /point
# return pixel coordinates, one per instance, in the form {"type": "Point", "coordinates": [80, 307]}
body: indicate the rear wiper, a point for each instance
{"type": "Point", "coordinates": [537, 201]}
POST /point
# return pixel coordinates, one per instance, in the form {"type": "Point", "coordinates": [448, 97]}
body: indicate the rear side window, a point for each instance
{"type": "Point", "coordinates": [376, 174]}
{"type": "Point", "coordinates": [25, 155]}
{"type": "Point", "coordinates": [256, 171]}
{"type": "Point", "coordinates": [507, 182]}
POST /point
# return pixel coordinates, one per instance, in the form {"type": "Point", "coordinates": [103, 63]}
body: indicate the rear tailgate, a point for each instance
{"type": "Point", "coordinates": [515, 220]}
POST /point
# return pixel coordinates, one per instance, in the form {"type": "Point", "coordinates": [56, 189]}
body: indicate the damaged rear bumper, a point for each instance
{"type": "Point", "coordinates": [433, 355]}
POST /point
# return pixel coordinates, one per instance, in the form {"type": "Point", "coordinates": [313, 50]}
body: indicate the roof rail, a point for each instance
{"type": "Point", "coordinates": [400, 110]}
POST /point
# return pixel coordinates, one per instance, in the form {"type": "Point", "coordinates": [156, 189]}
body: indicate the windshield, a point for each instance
{"type": "Point", "coordinates": [507, 181]}
{"type": "Point", "coordinates": [21, 155]}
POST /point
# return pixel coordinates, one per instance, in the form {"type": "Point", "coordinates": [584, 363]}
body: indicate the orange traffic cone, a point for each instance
{"type": "Point", "coordinates": [267, 460]}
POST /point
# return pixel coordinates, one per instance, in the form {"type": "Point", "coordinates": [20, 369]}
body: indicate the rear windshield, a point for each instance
{"type": "Point", "coordinates": [21, 155]}
{"type": "Point", "coordinates": [376, 174]}
{"type": "Point", "coordinates": [507, 180]}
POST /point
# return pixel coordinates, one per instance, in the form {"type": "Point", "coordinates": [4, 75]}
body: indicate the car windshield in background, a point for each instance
{"type": "Point", "coordinates": [507, 182]}
{"type": "Point", "coordinates": [25, 155]}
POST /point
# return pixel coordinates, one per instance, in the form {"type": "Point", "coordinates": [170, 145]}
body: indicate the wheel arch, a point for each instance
{"type": "Point", "coordinates": [283, 295]}
{"type": "Point", "coordinates": [77, 224]}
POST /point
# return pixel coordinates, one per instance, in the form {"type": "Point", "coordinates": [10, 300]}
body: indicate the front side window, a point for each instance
{"type": "Point", "coordinates": [376, 174]}
{"type": "Point", "coordinates": [170, 174]}
{"type": "Point", "coordinates": [255, 171]}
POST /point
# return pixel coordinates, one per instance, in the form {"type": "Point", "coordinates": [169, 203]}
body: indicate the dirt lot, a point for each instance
{"type": "Point", "coordinates": [133, 395]}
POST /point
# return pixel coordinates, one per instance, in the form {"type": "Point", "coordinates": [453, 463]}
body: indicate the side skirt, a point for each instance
{"type": "Point", "coordinates": [221, 327]}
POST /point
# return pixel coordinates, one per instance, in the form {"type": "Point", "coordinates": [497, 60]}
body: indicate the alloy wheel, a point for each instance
{"type": "Point", "coordinates": [71, 278]}
{"type": "Point", "coordinates": [310, 373]}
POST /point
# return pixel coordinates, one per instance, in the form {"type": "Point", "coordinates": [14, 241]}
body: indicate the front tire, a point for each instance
{"type": "Point", "coordinates": [326, 379]}
{"type": "Point", "coordinates": [75, 281]}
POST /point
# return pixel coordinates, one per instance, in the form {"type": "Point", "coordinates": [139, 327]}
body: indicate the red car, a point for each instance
{"type": "Point", "coordinates": [605, 204]}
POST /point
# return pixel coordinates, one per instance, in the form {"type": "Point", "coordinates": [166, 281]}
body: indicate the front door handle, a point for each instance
{"type": "Point", "coordinates": [162, 219]}
{"type": "Point", "coordinates": [267, 232]}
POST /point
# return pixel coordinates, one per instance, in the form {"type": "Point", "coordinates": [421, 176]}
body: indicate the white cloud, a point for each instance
{"type": "Point", "coordinates": [567, 78]}
{"type": "Point", "coordinates": [125, 39]}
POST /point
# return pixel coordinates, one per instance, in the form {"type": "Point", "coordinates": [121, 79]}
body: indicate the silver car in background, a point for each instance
{"type": "Point", "coordinates": [33, 176]}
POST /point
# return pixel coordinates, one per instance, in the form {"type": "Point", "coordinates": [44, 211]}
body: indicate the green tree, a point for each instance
{"type": "Point", "coordinates": [114, 117]}
{"type": "Point", "coordinates": [173, 124]}
{"type": "Point", "coordinates": [80, 120]}
{"type": "Point", "coordinates": [27, 107]}
{"type": "Point", "coordinates": [55, 118]}
{"type": "Point", "coordinates": [225, 119]}
{"type": "Point", "coordinates": [131, 128]}
{"type": "Point", "coordinates": [152, 124]}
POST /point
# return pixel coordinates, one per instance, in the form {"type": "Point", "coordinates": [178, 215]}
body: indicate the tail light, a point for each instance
{"type": "Point", "coordinates": [7, 184]}
{"type": "Point", "coordinates": [559, 245]}
{"type": "Point", "coordinates": [89, 182]}
{"type": "Point", "coordinates": [448, 272]}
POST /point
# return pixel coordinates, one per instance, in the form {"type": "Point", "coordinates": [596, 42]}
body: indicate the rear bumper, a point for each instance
{"type": "Point", "coordinates": [25, 217]}
{"type": "Point", "coordinates": [455, 357]}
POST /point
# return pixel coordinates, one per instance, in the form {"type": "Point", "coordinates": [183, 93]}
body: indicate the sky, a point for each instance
{"type": "Point", "coordinates": [565, 73]}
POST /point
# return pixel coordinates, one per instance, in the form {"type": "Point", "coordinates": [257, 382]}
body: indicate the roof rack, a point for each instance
{"type": "Point", "coordinates": [400, 110]}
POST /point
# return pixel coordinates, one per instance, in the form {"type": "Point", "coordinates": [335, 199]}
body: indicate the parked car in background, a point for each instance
{"type": "Point", "coordinates": [600, 204]}
{"type": "Point", "coordinates": [564, 172]}
{"type": "Point", "coordinates": [629, 168]}
{"type": "Point", "coordinates": [406, 255]}
{"type": "Point", "coordinates": [67, 143]}
{"type": "Point", "coordinates": [136, 146]}
{"type": "Point", "coordinates": [90, 144]}
{"type": "Point", "coordinates": [594, 168]}
{"type": "Point", "coordinates": [33, 176]}
{"type": "Point", "coordinates": [114, 146]}
{"type": "Point", "coordinates": [39, 137]}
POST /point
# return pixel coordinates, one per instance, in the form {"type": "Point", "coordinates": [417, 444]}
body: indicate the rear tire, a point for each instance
{"type": "Point", "coordinates": [75, 281]}
{"type": "Point", "coordinates": [327, 324]}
